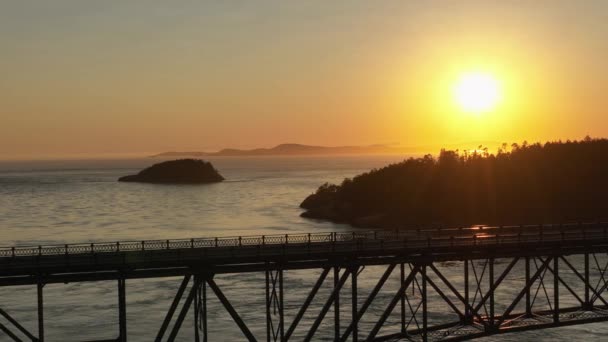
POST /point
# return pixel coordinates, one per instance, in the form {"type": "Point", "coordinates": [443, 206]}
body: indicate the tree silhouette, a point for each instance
{"type": "Point", "coordinates": [531, 183]}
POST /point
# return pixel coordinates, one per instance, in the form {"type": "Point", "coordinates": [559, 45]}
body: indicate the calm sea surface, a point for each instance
{"type": "Point", "coordinates": [81, 201]}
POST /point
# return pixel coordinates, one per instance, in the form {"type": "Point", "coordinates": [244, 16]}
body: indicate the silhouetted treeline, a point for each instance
{"type": "Point", "coordinates": [528, 183]}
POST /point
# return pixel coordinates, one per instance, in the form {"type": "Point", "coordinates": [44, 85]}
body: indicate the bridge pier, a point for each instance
{"type": "Point", "coordinates": [19, 327]}
{"type": "Point", "coordinates": [327, 305]}
{"type": "Point", "coordinates": [401, 280]}
{"type": "Point", "coordinates": [185, 308]}
{"type": "Point", "coordinates": [354, 305]}
{"type": "Point", "coordinates": [528, 296]}
{"type": "Point", "coordinates": [40, 297]}
{"type": "Point", "coordinates": [235, 316]}
{"type": "Point", "coordinates": [492, 290]}
{"type": "Point", "coordinates": [122, 311]}
{"type": "Point", "coordinates": [337, 303]}
{"type": "Point", "coordinates": [556, 289]}
{"type": "Point", "coordinates": [172, 308]}
{"type": "Point", "coordinates": [424, 305]}
{"type": "Point", "coordinates": [274, 304]}
{"type": "Point", "coordinates": [197, 303]}
{"type": "Point", "coordinates": [587, 305]}
{"type": "Point", "coordinates": [200, 313]}
{"type": "Point", "coordinates": [204, 312]}
{"type": "Point", "coordinates": [468, 315]}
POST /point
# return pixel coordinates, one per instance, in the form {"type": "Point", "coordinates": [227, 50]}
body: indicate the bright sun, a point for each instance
{"type": "Point", "coordinates": [477, 93]}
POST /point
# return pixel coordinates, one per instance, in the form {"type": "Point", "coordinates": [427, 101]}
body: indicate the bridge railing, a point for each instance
{"type": "Point", "coordinates": [420, 237]}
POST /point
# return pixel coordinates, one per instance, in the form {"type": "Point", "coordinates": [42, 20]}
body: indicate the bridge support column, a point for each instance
{"type": "Point", "coordinates": [40, 285]}
{"type": "Point", "coordinates": [327, 306]}
{"type": "Point", "coordinates": [555, 289]}
{"type": "Point", "coordinates": [370, 299]}
{"type": "Point", "coordinates": [355, 316]}
{"type": "Point", "coordinates": [172, 308]}
{"type": "Point", "coordinates": [528, 299]}
{"type": "Point", "coordinates": [281, 312]}
{"type": "Point", "coordinates": [268, 312]}
{"type": "Point", "coordinates": [204, 318]}
{"type": "Point", "coordinates": [311, 296]}
{"type": "Point", "coordinates": [9, 333]}
{"type": "Point", "coordinates": [492, 291]}
{"type": "Point", "coordinates": [235, 316]}
{"type": "Point", "coordinates": [185, 308]}
{"type": "Point", "coordinates": [337, 303]}
{"type": "Point", "coordinates": [200, 312]}
{"type": "Point", "coordinates": [122, 311]}
{"type": "Point", "coordinates": [402, 279]}
{"type": "Point", "coordinates": [197, 302]}
{"type": "Point", "coordinates": [468, 317]}
{"type": "Point", "coordinates": [425, 322]}
{"type": "Point", "coordinates": [587, 305]}
{"type": "Point", "coordinates": [197, 313]}
{"type": "Point", "coordinates": [16, 324]}
{"type": "Point", "coordinates": [274, 305]}
{"type": "Point", "coordinates": [401, 292]}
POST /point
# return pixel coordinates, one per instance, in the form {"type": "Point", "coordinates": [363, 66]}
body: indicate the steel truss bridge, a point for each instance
{"type": "Point", "coordinates": [511, 278]}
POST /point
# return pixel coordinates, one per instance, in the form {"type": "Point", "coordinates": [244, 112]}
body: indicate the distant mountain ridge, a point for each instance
{"type": "Point", "coordinates": [310, 150]}
{"type": "Point", "coordinates": [294, 149]}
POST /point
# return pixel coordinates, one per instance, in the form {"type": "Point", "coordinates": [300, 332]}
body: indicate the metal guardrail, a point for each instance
{"type": "Point", "coordinates": [429, 237]}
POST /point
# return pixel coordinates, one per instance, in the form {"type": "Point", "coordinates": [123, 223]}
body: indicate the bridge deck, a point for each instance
{"type": "Point", "coordinates": [140, 259]}
{"type": "Point", "coordinates": [540, 251]}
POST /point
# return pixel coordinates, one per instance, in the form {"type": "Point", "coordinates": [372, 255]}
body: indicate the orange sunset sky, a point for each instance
{"type": "Point", "coordinates": [96, 78]}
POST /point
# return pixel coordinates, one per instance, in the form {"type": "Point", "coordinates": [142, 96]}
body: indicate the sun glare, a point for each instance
{"type": "Point", "coordinates": [477, 93]}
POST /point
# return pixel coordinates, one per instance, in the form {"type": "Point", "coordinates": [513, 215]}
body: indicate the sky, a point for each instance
{"type": "Point", "coordinates": [92, 78]}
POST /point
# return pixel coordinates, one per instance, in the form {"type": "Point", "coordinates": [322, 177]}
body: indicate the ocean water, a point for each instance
{"type": "Point", "coordinates": [81, 201]}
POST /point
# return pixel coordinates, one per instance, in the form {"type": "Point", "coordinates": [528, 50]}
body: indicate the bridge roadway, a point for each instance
{"type": "Point", "coordinates": [420, 249]}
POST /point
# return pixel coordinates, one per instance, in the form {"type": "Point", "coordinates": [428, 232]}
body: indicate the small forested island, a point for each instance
{"type": "Point", "coordinates": [177, 171]}
{"type": "Point", "coordinates": [524, 184]}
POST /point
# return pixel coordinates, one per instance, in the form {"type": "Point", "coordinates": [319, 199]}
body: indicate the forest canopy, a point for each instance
{"type": "Point", "coordinates": [523, 183]}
